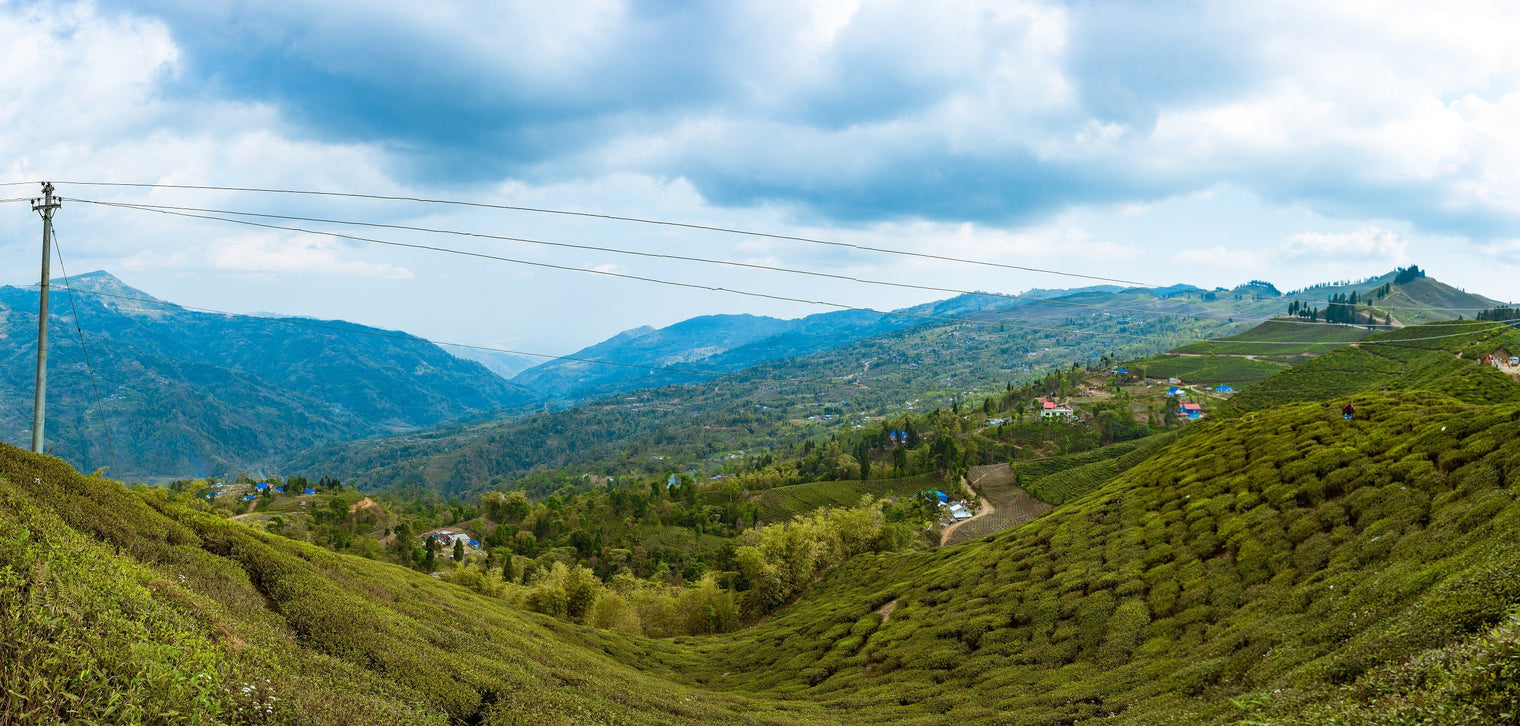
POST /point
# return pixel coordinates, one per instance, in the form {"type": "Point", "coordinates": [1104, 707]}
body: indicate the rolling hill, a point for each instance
{"type": "Point", "coordinates": [190, 393]}
{"type": "Point", "coordinates": [1276, 566]}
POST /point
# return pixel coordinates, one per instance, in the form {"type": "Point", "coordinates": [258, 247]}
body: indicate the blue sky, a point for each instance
{"type": "Point", "coordinates": [1207, 143]}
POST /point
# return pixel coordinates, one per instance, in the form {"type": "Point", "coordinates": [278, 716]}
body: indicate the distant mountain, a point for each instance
{"type": "Point", "coordinates": [912, 363]}
{"type": "Point", "coordinates": [505, 365]}
{"type": "Point", "coordinates": [190, 393]}
{"type": "Point", "coordinates": [716, 344]}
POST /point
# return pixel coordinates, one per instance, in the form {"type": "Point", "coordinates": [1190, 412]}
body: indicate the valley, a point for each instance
{"type": "Point", "coordinates": [1151, 538]}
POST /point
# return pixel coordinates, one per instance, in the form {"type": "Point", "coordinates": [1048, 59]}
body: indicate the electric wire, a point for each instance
{"type": "Point", "coordinates": [626, 276]}
{"type": "Point", "coordinates": [616, 218]}
{"type": "Point", "coordinates": [105, 421]}
{"type": "Point", "coordinates": [643, 220]}
{"type": "Point", "coordinates": [748, 293]}
{"type": "Point", "coordinates": [704, 260]}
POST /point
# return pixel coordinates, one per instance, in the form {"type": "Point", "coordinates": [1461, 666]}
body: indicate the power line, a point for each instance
{"type": "Point", "coordinates": [642, 220]}
{"type": "Point", "coordinates": [618, 218]}
{"type": "Point", "coordinates": [105, 422]}
{"type": "Point", "coordinates": [641, 278]}
{"type": "Point", "coordinates": [621, 275]}
{"type": "Point", "coordinates": [685, 258]}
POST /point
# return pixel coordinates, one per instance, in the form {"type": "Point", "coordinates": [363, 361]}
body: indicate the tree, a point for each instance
{"type": "Point", "coordinates": [429, 559]}
{"type": "Point", "coordinates": [458, 549]}
{"type": "Point", "coordinates": [863, 453]}
{"type": "Point", "coordinates": [401, 543]}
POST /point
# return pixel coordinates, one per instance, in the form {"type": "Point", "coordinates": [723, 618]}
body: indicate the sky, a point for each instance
{"type": "Point", "coordinates": [1206, 143]}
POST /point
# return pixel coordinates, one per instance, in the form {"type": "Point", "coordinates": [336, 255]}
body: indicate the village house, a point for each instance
{"type": "Point", "coordinates": [1190, 410]}
{"type": "Point", "coordinates": [447, 537]}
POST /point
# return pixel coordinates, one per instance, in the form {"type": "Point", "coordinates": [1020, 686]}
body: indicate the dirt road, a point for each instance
{"type": "Point", "coordinates": [1004, 503]}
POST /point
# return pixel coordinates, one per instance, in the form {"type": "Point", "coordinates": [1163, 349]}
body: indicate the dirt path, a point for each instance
{"type": "Point", "coordinates": [1005, 505]}
{"type": "Point", "coordinates": [986, 510]}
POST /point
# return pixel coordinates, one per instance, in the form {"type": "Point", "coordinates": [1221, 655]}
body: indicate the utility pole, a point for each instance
{"type": "Point", "coordinates": [39, 405]}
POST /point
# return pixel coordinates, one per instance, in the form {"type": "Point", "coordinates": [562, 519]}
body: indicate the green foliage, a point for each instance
{"type": "Point", "coordinates": [1058, 480]}
{"type": "Point", "coordinates": [783, 503]}
{"type": "Point", "coordinates": [1440, 357]}
{"type": "Point", "coordinates": [1212, 369]}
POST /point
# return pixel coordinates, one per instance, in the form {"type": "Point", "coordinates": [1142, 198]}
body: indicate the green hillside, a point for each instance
{"type": "Point", "coordinates": [117, 607]}
{"type": "Point", "coordinates": [1254, 355]}
{"type": "Point", "coordinates": [1289, 561]}
{"type": "Point", "coordinates": [1438, 356]}
{"type": "Point", "coordinates": [1278, 566]}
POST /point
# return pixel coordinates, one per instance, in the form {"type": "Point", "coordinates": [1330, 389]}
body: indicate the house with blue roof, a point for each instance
{"type": "Point", "coordinates": [1174, 391]}
{"type": "Point", "coordinates": [943, 497]}
{"type": "Point", "coordinates": [308, 490]}
{"type": "Point", "coordinates": [1225, 388]}
{"type": "Point", "coordinates": [261, 486]}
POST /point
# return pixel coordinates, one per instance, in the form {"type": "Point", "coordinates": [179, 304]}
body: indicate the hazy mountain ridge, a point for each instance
{"type": "Point", "coordinates": [195, 393]}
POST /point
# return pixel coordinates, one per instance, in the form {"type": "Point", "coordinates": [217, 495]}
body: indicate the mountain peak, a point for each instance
{"type": "Point", "coordinates": [101, 281]}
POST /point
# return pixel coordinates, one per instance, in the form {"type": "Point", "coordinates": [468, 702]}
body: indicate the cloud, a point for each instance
{"type": "Point", "coordinates": [1364, 243]}
{"type": "Point", "coordinates": [994, 111]}
{"type": "Point", "coordinates": [1219, 258]}
{"type": "Point", "coordinates": [269, 253]}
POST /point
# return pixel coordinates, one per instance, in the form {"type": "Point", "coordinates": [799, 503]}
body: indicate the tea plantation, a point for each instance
{"type": "Point", "coordinates": [1275, 565]}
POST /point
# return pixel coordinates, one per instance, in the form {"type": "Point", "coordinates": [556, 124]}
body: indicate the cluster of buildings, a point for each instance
{"type": "Point", "coordinates": [1499, 360]}
{"type": "Point", "coordinates": [958, 510]}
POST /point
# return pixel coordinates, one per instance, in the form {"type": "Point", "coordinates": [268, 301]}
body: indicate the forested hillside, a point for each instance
{"type": "Point", "coordinates": [190, 393]}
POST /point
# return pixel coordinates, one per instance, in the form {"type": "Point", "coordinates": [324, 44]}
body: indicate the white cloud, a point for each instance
{"type": "Point", "coordinates": [1219, 257]}
{"type": "Point", "coordinates": [1363, 243]}
{"type": "Point", "coordinates": [268, 253]}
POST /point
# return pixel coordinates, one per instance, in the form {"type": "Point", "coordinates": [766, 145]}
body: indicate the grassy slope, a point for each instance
{"type": "Point", "coordinates": [1279, 338]}
{"type": "Point", "coordinates": [1272, 347]}
{"type": "Point", "coordinates": [1060, 479]}
{"type": "Point", "coordinates": [138, 608]}
{"type": "Point", "coordinates": [1417, 358]}
{"type": "Point", "coordinates": [1285, 554]}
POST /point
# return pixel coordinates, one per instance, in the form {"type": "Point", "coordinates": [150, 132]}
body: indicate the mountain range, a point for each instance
{"type": "Point", "coordinates": [188, 393]}
{"type": "Point", "coordinates": [194, 393]}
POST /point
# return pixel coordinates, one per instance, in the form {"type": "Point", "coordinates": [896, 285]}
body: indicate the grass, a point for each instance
{"type": "Point", "coordinates": [783, 503]}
